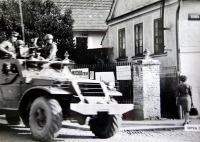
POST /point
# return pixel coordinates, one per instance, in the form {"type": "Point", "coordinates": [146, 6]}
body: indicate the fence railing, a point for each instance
{"type": "Point", "coordinates": [168, 76]}
{"type": "Point", "coordinates": [124, 86]}
{"type": "Point", "coordinates": [168, 86]}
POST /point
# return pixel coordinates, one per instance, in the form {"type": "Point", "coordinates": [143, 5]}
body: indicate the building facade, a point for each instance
{"type": "Point", "coordinates": [169, 29]}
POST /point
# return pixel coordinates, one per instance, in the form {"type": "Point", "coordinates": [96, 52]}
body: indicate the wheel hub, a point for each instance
{"type": "Point", "coordinates": [40, 117]}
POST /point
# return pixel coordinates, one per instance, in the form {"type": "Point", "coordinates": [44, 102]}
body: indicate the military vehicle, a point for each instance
{"type": "Point", "coordinates": [43, 94]}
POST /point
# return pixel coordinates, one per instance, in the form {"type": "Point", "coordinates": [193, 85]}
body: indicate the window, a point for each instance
{"type": "Point", "coordinates": [122, 43]}
{"type": "Point", "coordinates": [138, 39]}
{"type": "Point", "coordinates": [158, 37]}
{"type": "Point", "coordinates": [82, 42]}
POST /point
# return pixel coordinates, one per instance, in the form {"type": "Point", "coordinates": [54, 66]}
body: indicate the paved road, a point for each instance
{"type": "Point", "coordinates": [21, 134]}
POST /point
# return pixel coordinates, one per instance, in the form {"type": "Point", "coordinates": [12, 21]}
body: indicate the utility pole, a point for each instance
{"type": "Point", "coordinates": [22, 23]}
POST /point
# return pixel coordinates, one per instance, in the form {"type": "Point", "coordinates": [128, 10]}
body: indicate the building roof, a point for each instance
{"type": "Point", "coordinates": [88, 15]}
{"type": "Point", "coordinates": [122, 7]}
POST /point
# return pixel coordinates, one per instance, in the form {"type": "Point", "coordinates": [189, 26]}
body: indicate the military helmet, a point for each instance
{"type": "Point", "coordinates": [48, 36]}
{"type": "Point", "coordinates": [19, 42]}
{"type": "Point", "coordinates": [14, 33]}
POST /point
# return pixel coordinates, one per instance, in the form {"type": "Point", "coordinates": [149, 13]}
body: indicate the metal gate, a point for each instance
{"type": "Point", "coordinates": [123, 86]}
{"type": "Point", "coordinates": [168, 85]}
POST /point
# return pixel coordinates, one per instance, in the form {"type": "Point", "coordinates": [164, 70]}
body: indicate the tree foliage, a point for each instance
{"type": "Point", "coordinates": [39, 18]}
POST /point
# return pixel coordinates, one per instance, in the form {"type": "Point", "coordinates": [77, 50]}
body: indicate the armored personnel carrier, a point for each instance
{"type": "Point", "coordinates": [43, 94]}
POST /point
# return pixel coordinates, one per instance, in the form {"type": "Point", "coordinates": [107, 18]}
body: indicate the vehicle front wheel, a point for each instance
{"type": "Point", "coordinates": [104, 125]}
{"type": "Point", "coordinates": [45, 118]}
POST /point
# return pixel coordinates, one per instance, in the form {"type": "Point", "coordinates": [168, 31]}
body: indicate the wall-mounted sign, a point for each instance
{"type": "Point", "coordinates": [82, 72]}
{"type": "Point", "coordinates": [123, 72]}
{"type": "Point", "coordinates": [193, 16]}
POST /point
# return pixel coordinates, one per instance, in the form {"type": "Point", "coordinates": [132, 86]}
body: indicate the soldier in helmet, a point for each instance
{"type": "Point", "coordinates": [20, 46]}
{"type": "Point", "coordinates": [19, 43]}
{"type": "Point", "coordinates": [50, 49]}
{"type": "Point", "coordinates": [8, 46]}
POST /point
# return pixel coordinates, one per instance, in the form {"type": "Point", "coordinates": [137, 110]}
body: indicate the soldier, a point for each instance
{"type": "Point", "coordinates": [50, 49]}
{"type": "Point", "coordinates": [21, 49]}
{"type": "Point", "coordinates": [8, 46]}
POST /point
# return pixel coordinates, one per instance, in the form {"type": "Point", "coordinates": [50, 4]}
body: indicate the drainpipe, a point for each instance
{"type": "Point", "coordinates": [177, 52]}
{"type": "Point", "coordinates": [177, 36]}
{"type": "Point", "coordinates": [163, 18]}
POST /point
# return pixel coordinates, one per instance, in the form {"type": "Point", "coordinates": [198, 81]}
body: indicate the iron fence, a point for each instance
{"type": "Point", "coordinates": [168, 83]}
{"type": "Point", "coordinates": [124, 86]}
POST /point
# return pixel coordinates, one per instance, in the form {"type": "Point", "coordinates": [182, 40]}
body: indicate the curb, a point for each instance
{"type": "Point", "coordinates": [137, 128]}
{"type": "Point", "coordinates": [151, 128]}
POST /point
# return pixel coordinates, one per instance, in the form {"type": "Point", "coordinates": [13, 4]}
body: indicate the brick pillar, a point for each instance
{"type": "Point", "coordinates": [146, 89]}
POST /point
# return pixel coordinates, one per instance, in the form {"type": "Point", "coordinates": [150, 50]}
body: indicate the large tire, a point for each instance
{"type": "Point", "coordinates": [104, 125]}
{"type": "Point", "coordinates": [13, 120]}
{"type": "Point", "coordinates": [45, 119]}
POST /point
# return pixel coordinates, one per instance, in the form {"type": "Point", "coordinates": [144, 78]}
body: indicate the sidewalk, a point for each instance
{"type": "Point", "coordinates": [143, 125]}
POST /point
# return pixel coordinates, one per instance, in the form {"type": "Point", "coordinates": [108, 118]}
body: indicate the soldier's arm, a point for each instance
{"type": "Point", "coordinates": [52, 52]}
{"type": "Point", "coordinates": [3, 46]}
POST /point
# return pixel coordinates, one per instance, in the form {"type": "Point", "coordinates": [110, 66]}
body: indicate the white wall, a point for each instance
{"type": "Point", "coordinates": [94, 38]}
{"type": "Point", "coordinates": [190, 47]}
{"type": "Point", "coordinates": [147, 16]}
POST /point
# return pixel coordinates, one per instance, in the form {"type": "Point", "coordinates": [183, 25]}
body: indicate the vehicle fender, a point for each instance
{"type": "Point", "coordinates": [50, 90]}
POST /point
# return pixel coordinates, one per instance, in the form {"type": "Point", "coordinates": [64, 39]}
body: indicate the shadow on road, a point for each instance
{"type": "Point", "coordinates": [10, 133]}
{"type": "Point", "coordinates": [76, 137]}
{"type": "Point", "coordinates": [72, 127]}
{"type": "Point", "coordinates": [19, 133]}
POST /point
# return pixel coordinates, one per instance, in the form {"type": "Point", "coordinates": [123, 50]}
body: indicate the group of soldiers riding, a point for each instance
{"type": "Point", "coordinates": [13, 48]}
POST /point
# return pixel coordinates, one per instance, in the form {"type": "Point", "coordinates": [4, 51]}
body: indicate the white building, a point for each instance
{"type": "Point", "coordinates": [170, 29]}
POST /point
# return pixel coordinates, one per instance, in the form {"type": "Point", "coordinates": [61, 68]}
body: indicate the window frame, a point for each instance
{"type": "Point", "coordinates": [122, 42]}
{"type": "Point", "coordinates": [138, 39]}
{"type": "Point", "coordinates": [158, 37]}
{"type": "Point", "coordinates": [83, 37]}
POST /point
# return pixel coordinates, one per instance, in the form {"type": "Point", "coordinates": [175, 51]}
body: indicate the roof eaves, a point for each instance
{"type": "Point", "coordinates": [131, 12]}
{"type": "Point", "coordinates": [94, 30]}
{"type": "Point", "coordinates": [111, 10]}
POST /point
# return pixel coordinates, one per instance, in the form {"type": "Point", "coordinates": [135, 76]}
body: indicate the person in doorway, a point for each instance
{"type": "Point", "coordinates": [50, 49]}
{"type": "Point", "coordinates": [8, 46]}
{"type": "Point", "coordinates": [184, 97]}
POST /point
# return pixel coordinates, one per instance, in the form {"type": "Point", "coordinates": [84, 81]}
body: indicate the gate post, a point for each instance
{"type": "Point", "coordinates": [146, 89]}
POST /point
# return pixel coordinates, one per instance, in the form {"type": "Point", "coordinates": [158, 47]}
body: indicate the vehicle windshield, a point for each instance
{"type": "Point", "coordinates": [50, 70]}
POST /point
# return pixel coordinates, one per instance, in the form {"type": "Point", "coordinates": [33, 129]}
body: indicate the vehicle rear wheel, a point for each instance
{"type": "Point", "coordinates": [45, 118]}
{"type": "Point", "coordinates": [13, 120]}
{"type": "Point", "coordinates": [104, 125]}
